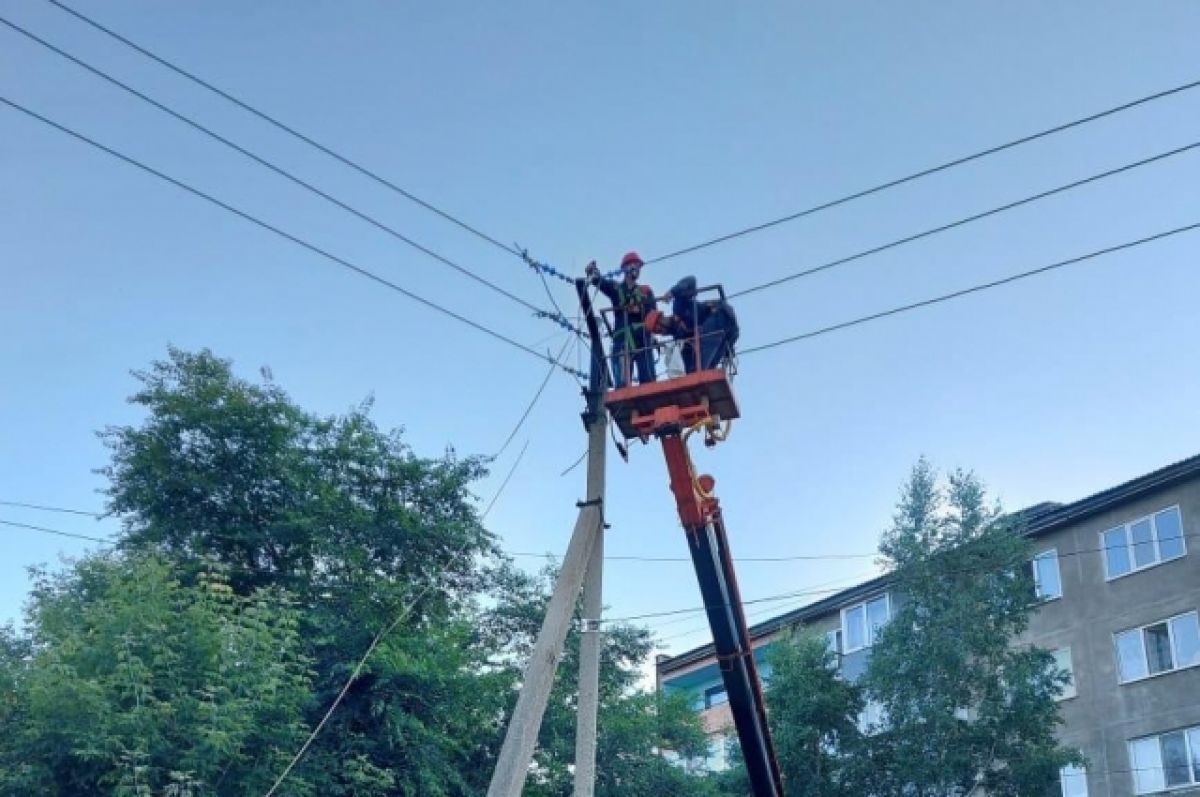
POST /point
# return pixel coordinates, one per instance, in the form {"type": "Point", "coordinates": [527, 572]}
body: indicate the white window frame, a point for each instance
{"type": "Point", "coordinates": [1191, 737]}
{"type": "Point", "coordinates": [1141, 629]}
{"type": "Point", "coordinates": [1069, 689]}
{"type": "Point", "coordinates": [867, 633]}
{"type": "Point", "coordinates": [1037, 584]}
{"type": "Point", "coordinates": [1127, 529]}
{"type": "Point", "coordinates": [1072, 771]}
{"type": "Point", "coordinates": [833, 641]}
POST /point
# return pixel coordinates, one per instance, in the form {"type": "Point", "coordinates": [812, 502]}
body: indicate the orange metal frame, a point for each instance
{"type": "Point", "coordinates": [643, 410]}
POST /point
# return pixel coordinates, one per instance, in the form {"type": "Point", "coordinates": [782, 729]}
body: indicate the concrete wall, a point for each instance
{"type": "Point", "coordinates": [1104, 715]}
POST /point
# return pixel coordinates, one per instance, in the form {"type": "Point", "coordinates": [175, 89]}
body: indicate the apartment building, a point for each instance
{"type": "Point", "coordinates": [1118, 575]}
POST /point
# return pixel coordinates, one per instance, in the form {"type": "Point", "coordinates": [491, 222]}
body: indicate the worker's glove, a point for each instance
{"type": "Point", "coordinates": [654, 322]}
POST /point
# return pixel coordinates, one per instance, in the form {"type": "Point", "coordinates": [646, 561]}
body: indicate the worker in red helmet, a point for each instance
{"type": "Point", "coordinates": [633, 346]}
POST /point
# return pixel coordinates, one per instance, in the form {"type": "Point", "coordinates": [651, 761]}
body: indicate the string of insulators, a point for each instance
{"type": "Point", "coordinates": [558, 319]}
{"type": "Point", "coordinates": [550, 270]}
{"type": "Point", "coordinates": [545, 268]}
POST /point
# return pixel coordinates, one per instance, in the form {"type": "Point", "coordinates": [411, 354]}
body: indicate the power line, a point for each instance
{"type": "Point", "coordinates": [964, 221]}
{"type": "Point", "coordinates": [281, 233]}
{"type": "Point", "coordinates": [45, 530]}
{"type": "Point", "coordinates": [276, 169]}
{"type": "Point", "coordinates": [503, 484]}
{"type": "Point", "coordinates": [44, 508]}
{"type": "Point", "coordinates": [973, 289]}
{"type": "Point", "coordinates": [575, 464]}
{"type": "Point", "coordinates": [927, 172]}
{"type": "Point", "coordinates": [788, 595]}
{"type": "Point", "coordinates": [527, 554]}
{"type": "Point", "coordinates": [626, 558]}
{"type": "Point", "coordinates": [532, 402]}
{"type": "Point", "coordinates": [289, 130]}
{"type": "Point", "coordinates": [329, 151]}
{"type": "Point", "coordinates": [836, 585]}
{"type": "Point", "coordinates": [660, 559]}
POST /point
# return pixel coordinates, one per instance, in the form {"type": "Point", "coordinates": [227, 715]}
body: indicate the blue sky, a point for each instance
{"type": "Point", "coordinates": [581, 131]}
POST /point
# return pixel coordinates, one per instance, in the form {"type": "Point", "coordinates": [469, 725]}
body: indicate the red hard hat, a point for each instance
{"type": "Point", "coordinates": [632, 259]}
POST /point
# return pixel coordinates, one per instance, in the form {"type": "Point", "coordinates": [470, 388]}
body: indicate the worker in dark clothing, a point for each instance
{"type": "Point", "coordinates": [632, 343]}
{"type": "Point", "coordinates": [711, 323]}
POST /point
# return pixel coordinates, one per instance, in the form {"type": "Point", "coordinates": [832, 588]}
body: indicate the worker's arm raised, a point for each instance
{"type": "Point", "coordinates": [603, 284]}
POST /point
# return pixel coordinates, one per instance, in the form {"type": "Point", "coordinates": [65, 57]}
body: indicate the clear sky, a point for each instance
{"type": "Point", "coordinates": [582, 130]}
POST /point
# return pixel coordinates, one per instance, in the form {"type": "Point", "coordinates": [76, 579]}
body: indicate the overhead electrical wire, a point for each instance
{"type": "Point", "coordinates": [607, 558]}
{"type": "Point", "coordinates": [1149, 98]}
{"type": "Point", "coordinates": [503, 484]}
{"type": "Point", "coordinates": [774, 598]}
{"type": "Point", "coordinates": [283, 234]}
{"type": "Point", "coordinates": [836, 585]}
{"type": "Point", "coordinates": [344, 160]}
{"type": "Point", "coordinates": [532, 402]}
{"type": "Point", "coordinates": [276, 169]}
{"type": "Point", "coordinates": [973, 289]}
{"type": "Point", "coordinates": [760, 611]}
{"type": "Point", "coordinates": [45, 508]}
{"type": "Point", "coordinates": [329, 151]}
{"type": "Point", "coordinates": [964, 221]}
{"type": "Point", "coordinates": [788, 595]}
{"type": "Point", "coordinates": [44, 530]}
{"type": "Point", "coordinates": [660, 559]}
{"type": "Point", "coordinates": [528, 554]}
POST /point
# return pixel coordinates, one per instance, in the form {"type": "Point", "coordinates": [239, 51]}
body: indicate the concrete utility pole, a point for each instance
{"type": "Point", "coordinates": [584, 554]}
{"type": "Point", "coordinates": [590, 644]}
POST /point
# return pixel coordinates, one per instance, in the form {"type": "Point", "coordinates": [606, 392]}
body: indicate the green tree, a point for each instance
{"type": "Point", "coordinates": [812, 711]}
{"type": "Point", "coordinates": [329, 530]}
{"type": "Point", "coordinates": [966, 704]}
{"type": "Point", "coordinates": [361, 530]}
{"type": "Point", "coordinates": [131, 683]}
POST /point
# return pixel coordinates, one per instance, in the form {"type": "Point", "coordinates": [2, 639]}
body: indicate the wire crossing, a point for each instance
{"type": "Point", "coordinates": [984, 286]}
{"type": "Point", "coordinates": [1149, 98]}
{"type": "Point", "coordinates": [967, 220]}
{"type": "Point", "coordinates": [466, 272]}
{"type": "Point", "coordinates": [294, 239]}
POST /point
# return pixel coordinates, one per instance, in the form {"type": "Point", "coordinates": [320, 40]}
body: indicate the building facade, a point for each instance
{"type": "Point", "coordinates": [1118, 575]}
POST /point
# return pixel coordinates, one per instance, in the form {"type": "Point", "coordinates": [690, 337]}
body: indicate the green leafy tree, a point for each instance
{"type": "Point", "coordinates": [363, 532]}
{"type": "Point", "coordinates": [966, 706]}
{"type": "Point", "coordinates": [812, 711]}
{"type": "Point", "coordinates": [132, 683]}
{"type": "Point", "coordinates": [326, 531]}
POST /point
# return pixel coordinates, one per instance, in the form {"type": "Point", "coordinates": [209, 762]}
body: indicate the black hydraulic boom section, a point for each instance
{"type": "Point", "coordinates": [731, 639]}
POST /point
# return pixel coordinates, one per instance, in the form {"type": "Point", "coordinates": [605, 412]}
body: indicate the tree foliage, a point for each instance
{"type": "Point", "coordinates": [967, 703]}
{"type": "Point", "coordinates": [135, 684]}
{"type": "Point", "coordinates": [264, 548]}
{"type": "Point", "coordinates": [812, 718]}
